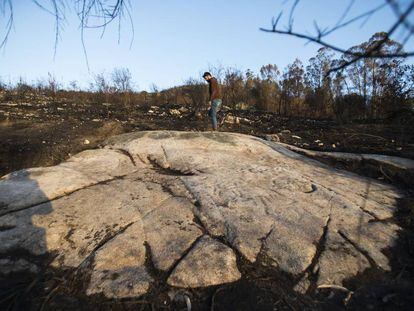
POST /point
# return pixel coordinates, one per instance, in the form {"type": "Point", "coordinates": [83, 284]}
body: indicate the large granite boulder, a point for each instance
{"type": "Point", "coordinates": [188, 205]}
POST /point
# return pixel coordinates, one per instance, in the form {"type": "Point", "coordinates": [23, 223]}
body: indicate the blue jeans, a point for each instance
{"type": "Point", "coordinates": [212, 112]}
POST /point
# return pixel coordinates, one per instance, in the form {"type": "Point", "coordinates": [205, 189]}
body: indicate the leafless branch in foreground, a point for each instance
{"type": "Point", "coordinates": [6, 6]}
{"type": "Point", "coordinates": [91, 14]}
{"type": "Point", "coordinates": [402, 22]}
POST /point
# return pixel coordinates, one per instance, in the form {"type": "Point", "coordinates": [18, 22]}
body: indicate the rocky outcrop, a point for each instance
{"type": "Point", "coordinates": [395, 169]}
{"type": "Point", "coordinates": [187, 205]}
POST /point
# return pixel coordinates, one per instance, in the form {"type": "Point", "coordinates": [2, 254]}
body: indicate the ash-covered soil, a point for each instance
{"type": "Point", "coordinates": [47, 132]}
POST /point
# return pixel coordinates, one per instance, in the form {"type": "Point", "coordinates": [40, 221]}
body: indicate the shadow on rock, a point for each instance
{"type": "Point", "coordinates": [23, 265]}
{"type": "Point", "coordinates": [375, 288]}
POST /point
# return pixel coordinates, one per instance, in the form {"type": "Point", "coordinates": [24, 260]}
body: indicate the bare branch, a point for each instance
{"type": "Point", "coordinates": [292, 11]}
{"type": "Point", "coordinates": [326, 44]}
{"type": "Point", "coordinates": [9, 24]}
{"type": "Point", "coordinates": [372, 52]}
{"type": "Point", "coordinates": [396, 9]}
{"type": "Point", "coordinates": [321, 34]}
{"type": "Point", "coordinates": [364, 15]}
{"type": "Point", "coordinates": [344, 15]}
{"type": "Point", "coordinates": [91, 14]}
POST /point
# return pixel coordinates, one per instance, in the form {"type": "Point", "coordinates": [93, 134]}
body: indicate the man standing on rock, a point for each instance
{"type": "Point", "coordinates": [215, 98]}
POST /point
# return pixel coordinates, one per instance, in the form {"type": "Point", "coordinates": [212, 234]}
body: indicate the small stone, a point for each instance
{"type": "Point", "coordinates": [272, 137]}
{"type": "Point", "coordinates": [183, 109]}
{"type": "Point", "coordinates": [232, 119]}
{"type": "Point", "coordinates": [86, 142]}
{"type": "Point", "coordinates": [175, 112]}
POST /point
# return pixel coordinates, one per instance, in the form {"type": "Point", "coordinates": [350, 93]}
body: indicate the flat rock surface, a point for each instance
{"type": "Point", "coordinates": [208, 263]}
{"type": "Point", "coordinates": [170, 231]}
{"type": "Point", "coordinates": [167, 201]}
{"type": "Point", "coordinates": [119, 266]}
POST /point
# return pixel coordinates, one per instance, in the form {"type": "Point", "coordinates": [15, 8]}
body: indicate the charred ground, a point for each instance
{"type": "Point", "coordinates": [46, 132]}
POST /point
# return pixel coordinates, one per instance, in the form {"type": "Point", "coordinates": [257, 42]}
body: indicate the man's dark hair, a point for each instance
{"type": "Point", "coordinates": [207, 74]}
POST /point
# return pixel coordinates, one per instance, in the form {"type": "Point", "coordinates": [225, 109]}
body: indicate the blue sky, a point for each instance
{"type": "Point", "coordinates": [175, 39]}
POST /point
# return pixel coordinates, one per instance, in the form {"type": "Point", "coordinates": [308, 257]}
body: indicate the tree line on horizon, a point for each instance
{"type": "Point", "coordinates": [370, 88]}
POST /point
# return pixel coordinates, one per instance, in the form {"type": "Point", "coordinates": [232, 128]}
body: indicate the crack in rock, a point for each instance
{"type": "Point", "coordinates": [183, 255]}
{"type": "Point", "coordinates": [195, 205]}
{"type": "Point", "coordinates": [103, 242]}
{"type": "Point", "coordinates": [359, 249]}
{"type": "Point", "coordinates": [170, 231]}
{"type": "Point", "coordinates": [129, 155]}
{"type": "Point", "coordinates": [30, 187]}
{"type": "Point", "coordinates": [125, 274]}
{"type": "Point", "coordinates": [104, 182]}
{"type": "Point", "coordinates": [320, 245]}
{"type": "Point", "coordinates": [208, 263]}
